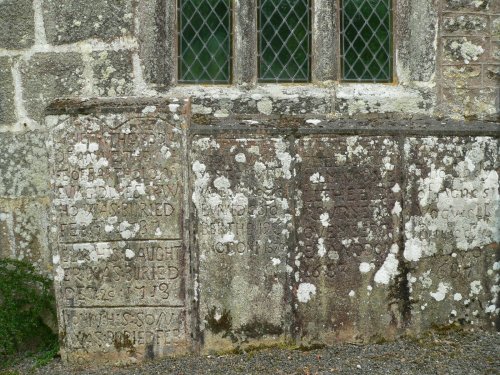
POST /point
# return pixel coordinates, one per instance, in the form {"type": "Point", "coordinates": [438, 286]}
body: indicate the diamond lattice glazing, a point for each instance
{"type": "Point", "coordinates": [204, 41]}
{"type": "Point", "coordinates": [366, 41]}
{"type": "Point", "coordinates": [284, 40]}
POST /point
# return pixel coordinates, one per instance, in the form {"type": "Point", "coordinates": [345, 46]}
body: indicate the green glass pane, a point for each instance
{"type": "Point", "coordinates": [205, 41]}
{"type": "Point", "coordinates": [366, 40]}
{"type": "Point", "coordinates": [284, 40]}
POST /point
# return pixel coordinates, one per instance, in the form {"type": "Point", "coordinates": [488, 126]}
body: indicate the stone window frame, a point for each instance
{"type": "Point", "coordinates": [414, 53]}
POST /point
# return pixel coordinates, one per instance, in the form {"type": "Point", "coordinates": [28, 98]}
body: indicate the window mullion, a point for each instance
{"type": "Point", "coordinates": [325, 49]}
{"type": "Point", "coordinates": [245, 41]}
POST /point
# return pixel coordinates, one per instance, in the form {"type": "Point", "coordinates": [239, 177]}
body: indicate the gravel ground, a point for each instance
{"type": "Point", "coordinates": [435, 353]}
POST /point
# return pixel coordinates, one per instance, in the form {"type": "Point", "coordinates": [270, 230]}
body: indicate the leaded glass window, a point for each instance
{"type": "Point", "coordinates": [204, 41]}
{"type": "Point", "coordinates": [366, 40]}
{"type": "Point", "coordinates": [284, 40]}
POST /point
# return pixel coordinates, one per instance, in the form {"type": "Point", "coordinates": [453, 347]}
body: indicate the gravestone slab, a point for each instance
{"type": "Point", "coordinates": [242, 227]}
{"type": "Point", "coordinates": [121, 264]}
{"type": "Point", "coordinates": [451, 230]}
{"type": "Point", "coordinates": [346, 267]}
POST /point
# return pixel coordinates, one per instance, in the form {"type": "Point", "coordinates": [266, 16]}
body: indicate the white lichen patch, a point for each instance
{"type": "Point", "coordinates": [305, 292]}
{"type": "Point", "coordinates": [397, 209]}
{"type": "Point", "coordinates": [463, 49]}
{"type": "Point", "coordinates": [388, 271]}
{"type": "Point", "coordinates": [128, 230]}
{"type": "Point", "coordinates": [396, 188]}
{"type": "Point", "coordinates": [324, 218]}
{"type": "Point", "coordinates": [129, 254]}
{"type": "Point", "coordinates": [284, 157]}
{"type": "Point", "coordinates": [240, 158]}
{"type": "Point", "coordinates": [222, 183]}
{"type": "Point", "coordinates": [83, 217]}
{"type": "Point", "coordinates": [475, 288]}
{"type": "Point", "coordinates": [316, 178]}
{"type": "Point", "coordinates": [365, 267]}
{"type": "Point", "coordinates": [321, 247]}
{"type": "Point", "coordinates": [440, 294]}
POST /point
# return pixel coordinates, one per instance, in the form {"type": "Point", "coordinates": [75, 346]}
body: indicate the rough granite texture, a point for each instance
{"type": "Point", "coordinates": [17, 24]}
{"type": "Point", "coordinates": [447, 66]}
{"type": "Point", "coordinates": [71, 21]}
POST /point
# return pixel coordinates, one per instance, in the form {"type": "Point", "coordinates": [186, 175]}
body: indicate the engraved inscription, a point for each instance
{"type": "Point", "coordinates": [119, 181]}
{"type": "Point", "coordinates": [123, 273]}
{"type": "Point", "coordinates": [120, 265]}
{"type": "Point", "coordinates": [451, 230]}
{"type": "Point", "coordinates": [349, 206]}
{"type": "Point", "coordinates": [243, 224]}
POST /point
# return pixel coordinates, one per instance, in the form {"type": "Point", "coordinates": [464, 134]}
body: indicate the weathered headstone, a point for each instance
{"type": "Point", "coordinates": [451, 230]}
{"type": "Point", "coordinates": [349, 205]}
{"type": "Point", "coordinates": [121, 264]}
{"type": "Point", "coordinates": [242, 226]}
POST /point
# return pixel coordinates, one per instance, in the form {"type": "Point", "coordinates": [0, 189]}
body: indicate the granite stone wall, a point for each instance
{"type": "Point", "coordinates": [447, 66]}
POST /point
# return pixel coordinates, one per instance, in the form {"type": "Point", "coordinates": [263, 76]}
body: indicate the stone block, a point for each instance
{"type": "Point", "coordinates": [7, 109]}
{"type": "Point", "coordinates": [7, 242]}
{"type": "Point", "coordinates": [121, 261]}
{"type": "Point", "coordinates": [30, 219]}
{"type": "Point", "coordinates": [155, 37]}
{"type": "Point", "coordinates": [113, 73]}
{"type": "Point", "coordinates": [495, 27]}
{"type": "Point", "coordinates": [17, 24]}
{"type": "Point", "coordinates": [491, 75]}
{"type": "Point", "coordinates": [242, 226]}
{"type": "Point", "coordinates": [72, 21]}
{"type": "Point", "coordinates": [24, 232]}
{"type": "Point", "coordinates": [471, 103]}
{"type": "Point", "coordinates": [495, 51]}
{"type": "Point", "coordinates": [451, 230]}
{"type": "Point", "coordinates": [465, 24]}
{"type": "Point", "coordinates": [47, 76]}
{"type": "Point", "coordinates": [465, 50]}
{"type": "Point", "coordinates": [469, 5]}
{"type": "Point", "coordinates": [462, 76]}
{"type": "Point", "coordinates": [23, 165]}
{"type": "Point", "coordinates": [416, 31]}
{"type": "Point", "coordinates": [346, 274]}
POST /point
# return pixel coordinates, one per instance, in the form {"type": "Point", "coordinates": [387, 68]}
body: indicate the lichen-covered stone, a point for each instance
{"type": "Point", "coordinates": [113, 73]}
{"type": "Point", "coordinates": [491, 75]}
{"type": "Point", "coordinates": [7, 109]}
{"type": "Point", "coordinates": [47, 76]}
{"type": "Point", "coordinates": [71, 21]}
{"type": "Point", "coordinates": [471, 103]}
{"type": "Point", "coordinates": [264, 100]}
{"type": "Point", "coordinates": [462, 76]}
{"type": "Point", "coordinates": [118, 185]}
{"type": "Point", "coordinates": [466, 5]}
{"type": "Point", "coordinates": [346, 274]}
{"type": "Point", "coordinates": [465, 50]}
{"type": "Point", "coordinates": [451, 230]}
{"type": "Point", "coordinates": [242, 225]}
{"type": "Point", "coordinates": [17, 24]}
{"type": "Point", "coordinates": [24, 232]}
{"type": "Point", "coordinates": [23, 165]}
{"type": "Point", "coordinates": [495, 51]}
{"type": "Point", "coordinates": [465, 24]}
{"type": "Point", "coordinates": [7, 241]}
{"type": "Point", "coordinates": [495, 27]}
